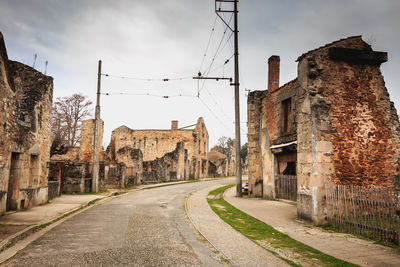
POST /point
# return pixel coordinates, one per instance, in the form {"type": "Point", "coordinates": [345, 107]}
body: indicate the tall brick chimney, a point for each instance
{"type": "Point", "coordinates": [273, 73]}
{"type": "Point", "coordinates": [174, 125]}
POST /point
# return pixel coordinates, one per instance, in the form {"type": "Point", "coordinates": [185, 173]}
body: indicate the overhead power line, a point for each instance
{"type": "Point", "coordinates": [218, 48]}
{"type": "Point", "coordinates": [146, 79]}
{"type": "Point", "coordinates": [148, 94]}
{"type": "Point", "coordinates": [222, 123]}
{"type": "Point", "coordinates": [208, 43]}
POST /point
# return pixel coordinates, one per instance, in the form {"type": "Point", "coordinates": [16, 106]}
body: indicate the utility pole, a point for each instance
{"type": "Point", "coordinates": [235, 83]}
{"type": "Point", "coordinates": [237, 106]}
{"type": "Point", "coordinates": [96, 137]}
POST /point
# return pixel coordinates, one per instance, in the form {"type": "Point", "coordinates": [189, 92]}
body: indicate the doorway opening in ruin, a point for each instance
{"type": "Point", "coordinates": [286, 178]}
{"type": "Point", "coordinates": [13, 181]}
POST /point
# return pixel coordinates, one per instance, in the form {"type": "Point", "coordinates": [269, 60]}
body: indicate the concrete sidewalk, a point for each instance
{"type": "Point", "coordinates": [235, 247]}
{"type": "Point", "coordinates": [50, 211]}
{"type": "Point", "coordinates": [283, 217]}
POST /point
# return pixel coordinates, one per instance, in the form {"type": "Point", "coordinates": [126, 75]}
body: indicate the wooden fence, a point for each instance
{"type": "Point", "coordinates": [365, 211]}
{"type": "Point", "coordinates": [286, 187]}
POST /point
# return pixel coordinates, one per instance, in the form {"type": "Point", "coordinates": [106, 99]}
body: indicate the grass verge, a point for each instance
{"type": "Point", "coordinates": [290, 250]}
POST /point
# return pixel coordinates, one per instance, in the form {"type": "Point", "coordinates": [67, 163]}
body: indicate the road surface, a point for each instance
{"type": "Point", "coordinates": [146, 227]}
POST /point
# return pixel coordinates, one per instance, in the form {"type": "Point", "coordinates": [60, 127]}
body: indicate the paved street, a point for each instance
{"type": "Point", "coordinates": [148, 227]}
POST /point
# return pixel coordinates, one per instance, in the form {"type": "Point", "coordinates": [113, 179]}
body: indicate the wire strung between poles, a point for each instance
{"type": "Point", "coordinates": [146, 79]}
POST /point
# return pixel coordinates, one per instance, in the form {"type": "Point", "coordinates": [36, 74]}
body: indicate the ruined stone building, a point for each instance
{"type": "Point", "coordinates": [334, 123]}
{"type": "Point", "coordinates": [217, 164]}
{"type": "Point", "coordinates": [25, 124]}
{"type": "Point", "coordinates": [162, 155]}
{"type": "Point", "coordinates": [73, 168]}
{"type": "Point", "coordinates": [220, 165]}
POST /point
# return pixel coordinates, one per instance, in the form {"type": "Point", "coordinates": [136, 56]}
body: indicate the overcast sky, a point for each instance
{"type": "Point", "coordinates": [168, 38]}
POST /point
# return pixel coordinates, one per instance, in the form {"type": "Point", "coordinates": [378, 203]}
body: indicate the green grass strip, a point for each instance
{"type": "Point", "coordinates": [260, 232]}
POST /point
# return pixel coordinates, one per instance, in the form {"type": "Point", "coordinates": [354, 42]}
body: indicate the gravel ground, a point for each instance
{"type": "Point", "coordinates": [146, 228]}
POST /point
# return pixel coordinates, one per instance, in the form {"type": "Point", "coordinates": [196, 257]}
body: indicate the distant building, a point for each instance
{"type": "Point", "coordinates": [162, 155]}
{"type": "Point", "coordinates": [25, 126]}
{"type": "Point", "coordinates": [334, 123]}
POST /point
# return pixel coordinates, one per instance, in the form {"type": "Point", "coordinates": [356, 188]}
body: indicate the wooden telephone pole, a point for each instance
{"type": "Point", "coordinates": [218, 10]}
{"type": "Point", "coordinates": [96, 137]}
{"type": "Point", "coordinates": [236, 83]}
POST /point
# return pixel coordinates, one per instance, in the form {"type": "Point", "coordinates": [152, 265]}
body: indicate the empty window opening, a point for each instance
{"type": "Point", "coordinates": [287, 110]}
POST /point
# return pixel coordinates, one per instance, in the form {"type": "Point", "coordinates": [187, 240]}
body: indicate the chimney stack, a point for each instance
{"type": "Point", "coordinates": [273, 73]}
{"type": "Point", "coordinates": [174, 125]}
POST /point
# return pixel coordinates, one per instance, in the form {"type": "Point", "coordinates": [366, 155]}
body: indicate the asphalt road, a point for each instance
{"type": "Point", "coordinates": [144, 228]}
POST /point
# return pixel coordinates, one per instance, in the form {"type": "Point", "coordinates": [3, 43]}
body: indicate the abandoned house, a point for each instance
{"type": "Point", "coordinates": [25, 118]}
{"type": "Point", "coordinates": [162, 155]}
{"type": "Point", "coordinates": [333, 124]}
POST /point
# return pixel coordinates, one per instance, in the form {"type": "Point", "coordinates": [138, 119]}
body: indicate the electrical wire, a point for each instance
{"type": "Point", "coordinates": [217, 104]}
{"type": "Point", "coordinates": [209, 41]}
{"type": "Point", "coordinates": [219, 46]}
{"type": "Point", "coordinates": [148, 94]}
{"type": "Point", "coordinates": [222, 123]}
{"type": "Point", "coordinates": [147, 79]}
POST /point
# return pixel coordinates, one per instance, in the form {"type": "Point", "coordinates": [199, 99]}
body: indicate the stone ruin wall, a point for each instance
{"type": "Point", "coordinates": [25, 119]}
{"type": "Point", "coordinates": [348, 130]}
{"type": "Point", "coordinates": [155, 145]}
{"type": "Point", "coordinates": [365, 125]}
{"type": "Point", "coordinates": [86, 144]}
{"type": "Point", "coordinates": [254, 103]}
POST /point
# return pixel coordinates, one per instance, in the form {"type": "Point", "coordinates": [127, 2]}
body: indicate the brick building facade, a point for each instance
{"type": "Point", "coordinates": [334, 123]}
{"type": "Point", "coordinates": [25, 124]}
{"type": "Point", "coordinates": [178, 153]}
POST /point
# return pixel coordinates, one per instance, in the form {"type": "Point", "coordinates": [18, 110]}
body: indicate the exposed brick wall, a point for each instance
{"type": "Point", "coordinates": [346, 128]}
{"type": "Point", "coordinates": [273, 73]}
{"type": "Point", "coordinates": [365, 134]}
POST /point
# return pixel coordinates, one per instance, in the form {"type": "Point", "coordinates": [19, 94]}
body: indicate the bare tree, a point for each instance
{"type": "Point", "coordinates": [68, 114]}
{"type": "Point", "coordinates": [224, 145]}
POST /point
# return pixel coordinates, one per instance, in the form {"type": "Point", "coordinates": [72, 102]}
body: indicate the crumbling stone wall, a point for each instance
{"type": "Point", "coordinates": [156, 144]}
{"type": "Point", "coordinates": [347, 130]}
{"type": "Point", "coordinates": [25, 119]}
{"type": "Point", "coordinates": [86, 144]}
{"type": "Point", "coordinates": [275, 144]}
{"type": "Point", "coordinates": [166, 168]}
{"type": "Point", "coordinates": [254, 102]}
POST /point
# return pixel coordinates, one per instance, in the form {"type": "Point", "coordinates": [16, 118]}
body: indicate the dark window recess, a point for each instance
{"type": "Point", "coordinates": [290, 169]}
{"type": "Point", "coordinates": [287, 110]}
